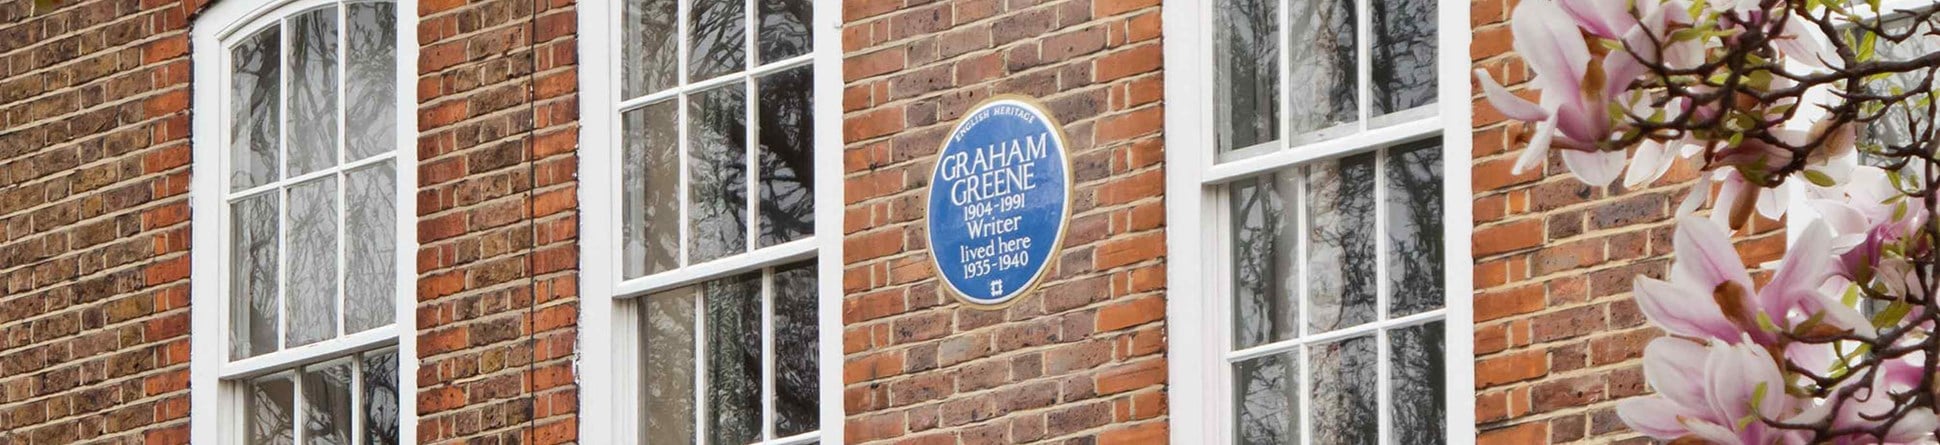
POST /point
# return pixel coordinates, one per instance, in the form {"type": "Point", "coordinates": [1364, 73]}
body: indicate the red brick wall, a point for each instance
{"type": "Point", "coordinates": [94, 265]}
{"type": "Point", "coordinates": [1557, 336]}
{"type": "Point", "coordinates": [1083, 357]}
{"type": "Point", "coordinates": [497, 290]}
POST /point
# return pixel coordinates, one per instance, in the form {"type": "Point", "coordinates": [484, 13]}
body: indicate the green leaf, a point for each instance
{"type": "Point", "coordinates": [1866, 45]}
{"type": "Point", "coordinates": [1819, 178]}
{"type": "Point", "coordinates": [42, 6]}
{"type": "Point", "coordinates": [1891, 315]}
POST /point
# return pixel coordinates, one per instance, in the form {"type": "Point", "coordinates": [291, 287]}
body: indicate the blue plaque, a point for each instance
{"type": "Point", "coordinates": [1000, 199]}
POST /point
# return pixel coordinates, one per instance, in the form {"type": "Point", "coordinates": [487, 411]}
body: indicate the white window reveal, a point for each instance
{"type": "Point", "coordinates": [1311, 190]}
{"type": "Point", "coordinates": [712, 158]}
{"type": "Point", "coordinates": [300, 269]}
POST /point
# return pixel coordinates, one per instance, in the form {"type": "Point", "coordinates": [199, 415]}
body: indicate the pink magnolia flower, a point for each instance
{"type": "Point", "coordinates": [1574, 99]}
{"type": "Point", "coordinates": [1709, 293]}
{"type": "Point", "coordinates": [1719, 392]}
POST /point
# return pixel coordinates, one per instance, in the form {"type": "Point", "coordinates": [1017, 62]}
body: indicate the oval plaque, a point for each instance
{"type": "Point", "coordinates": [1000, 199]}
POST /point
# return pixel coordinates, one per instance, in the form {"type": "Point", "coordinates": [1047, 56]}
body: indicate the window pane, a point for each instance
{"type": "Point", "coordinates": [797, 385]}
{"type": "Point", "coordinates": [652, 181]}
{"type": "Point", "coordinates": [271, 419]}
{"type": "Point", "coordinates": [1266, 272]}
{"type": "Point", "coordinates": [370, 237]}
{"type": "Point", "coordinates": [371, 86]}
{"type": "Point", "coordinates": [787, 156]}
{"type": "Point", "coordinates": [733, 359]}
{"type": "Point", "coordinates": [1414, 228]}
{"type": "Point", "coordinates": [1322, 49]}
{"type": "Point", "coordinates": [667, 340]}
{"type": "Point", "coordinates": [255, 89]}
{"type": "Point", "coordinates": [380, 398]}
{"type": "Point", "coordinates": [1418, 384]}
{"type": "Point", "coordinates": [1340, 255]}
{"type": "Point", "coordinates": [326, 405]}
{"type": "Point", "coordinates": [1248, 72]}
{"type": "Point", "coordinates": [1343, 392]}
{"type": "Point", "coordinates": [1404, 54]}
{"type": "Point", "coordinates": [1267, 400]}
{"type": "Point", "coordinates": [313, 91]}
{"type": "Point", "coordinates": [785, 29]}
{"type": "Point", "coordinates": [252, 282]}
{"type": "Point", "coordinates": [651, 47]}
{"type": "Point", "coordinates": [718, 169]}
{"type": "Point", "coordinates": [311, 298]}
{"type": "Point", "coordinates": [718, 39]}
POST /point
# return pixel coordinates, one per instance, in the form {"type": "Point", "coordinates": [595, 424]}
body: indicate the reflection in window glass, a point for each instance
{"type": "Point", "coordinates": [380, 408]}
{"type": "Point", "coordinates": [1414, 228]}
{"type": "Point", "coordinates": [327, 404]}
{"type": "Point", "coordinates": [1365, 220]}
{"type": "Point", "coordinates": [1322, 51]}
{"type": "Point", "coordinates": [1343, 392]}
{"type": "Point", "coordinates": [253, 305]}
{"type": "Point", "coordinates": [1404, 55]}
{"type": "Point", "coordinates": [1340, 248]}
{"type": "Point", "coordinates": [787, 174]}
{"type": "Point", "coordinates": [717, 189]}
{"type": "Point", "coordinates": [733, 358]}
{"type": "Point", "coordinates": [371, 92]}
{"type": "Point", "coordinates": [312, 131]}
{"type": "Point", "coordinates": [717, 43]}
{"type": "Point", "coordinates": [728, 314]}
{"type": "Point", "coordinates": [785, 30]}
{"type": "Point", "coordinates": [651, 224]}
{"type": "Point", "coordinates": [255, 95]}
{"type": "Point", "coordinates": [1245, 35]}
{"type": "Point", "coordinates": [311, 229]}
{"type": "Point", "coordinates": [797, 351]}
{"type": "Point", "coordinates": [1418, 383]}
{"type": "Point", "coordinates": [1266, 280]}
{"type": "Point", "coordinates": [667, 363]}
{"type": "Point", "coordinates": [649, 62]}
{"type": "Point", "coordinates": [1267, 400]}
{"type": "Point", "coordinates": [270, 405]}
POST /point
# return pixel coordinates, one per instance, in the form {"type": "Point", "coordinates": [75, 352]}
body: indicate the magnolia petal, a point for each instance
{"type": "Point", "coordinates": [1772, 201]}
{"type": "Point", "coordinates": [1805, 267]}
{"type": "Point", "coordinates": [1654, 416]}
{"type": "Point", "coordinates": [1672, 366]}
{"type": "Point", "coordinates": [1802, 42]}
{"type": "Point", "coordinates": [1695, 199]}
{"type": "Point", "coordinates": [1548, 40]}
{"type": "Point", "coordinates": [1735, 374]}
{"type": "Point", "coordinates": [1704, 256]}
{"type": "Point", "coordinates": [1509, 104]}
{"type": "Point", "coordinates": [1603, 18]}
{"type": "Point", "coordinates": [1619, 69]}
{"type": "Point", "coordinates": [1596, 168]}
{"type": "Point", "coordinates": [1711, 432]}
{"type": "Point", "coordinates": [1538, 149]}
{"type": "Point", "coordinates": [1842, 218]}
{"type": "Point", "coordinates": [1916, 425]}
{"type": "Point", "coordinates": [1682, 311]}
{"type": "Point", "coordinates": [1650, 162]}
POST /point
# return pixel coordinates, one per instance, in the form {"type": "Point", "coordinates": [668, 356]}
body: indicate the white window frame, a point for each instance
{"type": "Point", "coordinates": [1200, 342]}
{"type": "Point", "coordinates": [216, 384]}
{"type": "Point", "coordinates": [608, 332]}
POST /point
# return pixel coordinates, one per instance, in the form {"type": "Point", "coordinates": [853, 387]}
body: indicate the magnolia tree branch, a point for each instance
{"type": "Point", "coordinates": [1838, 346]}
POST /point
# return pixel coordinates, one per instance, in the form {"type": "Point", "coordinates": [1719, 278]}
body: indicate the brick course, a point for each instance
{"type": "Point", "coordinates": [1080, 360]}
{"type": "Point", "coordinates": [94, 266]}
{"type": "Point", "coordinates": [1557, 337]}
{"type": "Point", "coordinates": [498, 224]}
